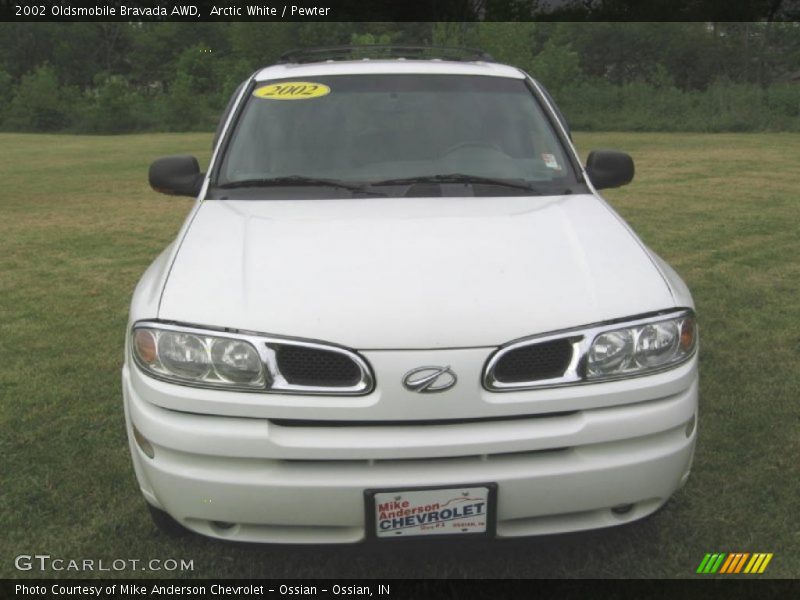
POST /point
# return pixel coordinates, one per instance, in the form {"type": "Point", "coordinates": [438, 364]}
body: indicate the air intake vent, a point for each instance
{"type": "Point", "coordinates": [534, 362]}
{"type": "Point", "coordinates": [306, 366]}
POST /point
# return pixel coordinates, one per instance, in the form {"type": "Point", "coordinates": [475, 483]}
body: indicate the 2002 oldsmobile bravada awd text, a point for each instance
{"type": "Point", "coordinates": [399, 308]}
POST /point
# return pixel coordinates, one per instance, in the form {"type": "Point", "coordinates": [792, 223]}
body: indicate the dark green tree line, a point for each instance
{"type": "Point", "coordinates": [121, 77]}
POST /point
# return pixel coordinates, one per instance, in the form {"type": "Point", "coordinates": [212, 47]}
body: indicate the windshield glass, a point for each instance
{"type": "Point", "coordinates": [383, 130]}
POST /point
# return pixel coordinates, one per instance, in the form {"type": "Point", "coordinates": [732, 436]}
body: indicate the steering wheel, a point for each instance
{"type": "Point", "coordinates": [472, 144]}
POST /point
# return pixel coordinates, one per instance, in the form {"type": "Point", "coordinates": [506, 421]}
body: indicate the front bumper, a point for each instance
{"type": "Point", "coordinates": [250, 479]}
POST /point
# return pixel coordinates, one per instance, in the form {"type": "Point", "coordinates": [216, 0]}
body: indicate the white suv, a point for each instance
{"type": "Point", "coordinates": [399, 308]}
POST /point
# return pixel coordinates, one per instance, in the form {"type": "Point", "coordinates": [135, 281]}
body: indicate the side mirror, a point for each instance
{"type": "Point", "coordinates": [176, 175]}
{"type": "Point", "coordinates": [609, 168]}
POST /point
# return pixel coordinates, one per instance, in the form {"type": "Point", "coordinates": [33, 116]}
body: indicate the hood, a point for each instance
{"type": "Point", "coordinates": [401, 273]}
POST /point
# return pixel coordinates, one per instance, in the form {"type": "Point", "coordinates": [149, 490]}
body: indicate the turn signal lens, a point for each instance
{"type": "Point", "coordinates": [688, 334]}
{"type": "Point", "coordinates": [144, 343]}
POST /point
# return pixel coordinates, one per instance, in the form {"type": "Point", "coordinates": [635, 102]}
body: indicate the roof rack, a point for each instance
{"type": "Point", "coordinates": [380, 51]}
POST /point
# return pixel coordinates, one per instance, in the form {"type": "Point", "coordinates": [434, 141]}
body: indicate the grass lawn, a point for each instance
{"type": "Point", "coordinates": [79, 225]}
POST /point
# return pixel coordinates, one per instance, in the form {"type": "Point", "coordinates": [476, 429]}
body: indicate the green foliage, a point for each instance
{"type": "Point", "coordinates": [120, 77]}
{"type": "Point", "coordinates": [6, 91]}
{"type": "Point", "coordinates": [369, 39]}
{"type": "Point", "coordinates": [557, 66]}
{"type": "Point", "coordinates": [199, 72]}
{"type": "Point", "coordinates": [111, 107]}
{"type": "Point", "coordinates": [82, 50]}
{"type": "Point", "coordinates": [783, 99]}
{"type": "Point", "coordinates": [508, 42]}
{"type": "Point", "coordinates": [26, 46]}
{"type": "Point", "coordinates": [182, 109]}
{"type": "Point", "coordinates": [641, 106]}
{"type": "Point", "coordinates": [258, 44]}
{"type": "Point", "coordinates": [327, 34]}
{"type": "Point", "coordinates": [454, 35]}
{"type": "Point", "coordinates": [40, 104]}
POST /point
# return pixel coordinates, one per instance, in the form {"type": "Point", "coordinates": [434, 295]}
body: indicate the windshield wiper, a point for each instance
{"type": "Point", "coordinates": [457, 178]}
{"type": "Point", "coordinates": [298, 180]}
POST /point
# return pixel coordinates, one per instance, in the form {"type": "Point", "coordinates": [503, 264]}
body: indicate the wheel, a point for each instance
{"type": "Point", "coordinates": [474, 144]}
{"type": "Point", "coordinates": [165, 523]}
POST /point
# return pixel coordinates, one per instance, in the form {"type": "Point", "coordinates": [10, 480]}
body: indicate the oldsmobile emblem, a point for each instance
{"type": "Point", "coordinates": [428, 380]}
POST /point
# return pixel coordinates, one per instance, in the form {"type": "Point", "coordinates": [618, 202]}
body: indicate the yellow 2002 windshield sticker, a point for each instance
{"type": "Point", "coordinates": [292, 90]}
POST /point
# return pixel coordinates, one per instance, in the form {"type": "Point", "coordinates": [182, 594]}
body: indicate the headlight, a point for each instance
{"type": "Point", "coordinates": [209, 360]}
{"type": "Point", "coordinates": [236, 361]}
{"type": "Point", "coordinates": [247, 362]}
{"type": "Point", "coordinates": [641, 348]}
{"type": "Point", "coordinates": [637, 346]}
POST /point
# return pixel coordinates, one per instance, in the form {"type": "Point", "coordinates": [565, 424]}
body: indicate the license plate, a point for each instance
{"type": "Point", "coordinates": [432, 511]}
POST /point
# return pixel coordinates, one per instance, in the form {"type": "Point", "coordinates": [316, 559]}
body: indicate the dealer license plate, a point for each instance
{"type": "Point", "coordinates": [463, 511]}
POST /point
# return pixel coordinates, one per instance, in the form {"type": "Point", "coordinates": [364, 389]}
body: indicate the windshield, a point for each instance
{"type": "Point", "coordinates": [371, 131]}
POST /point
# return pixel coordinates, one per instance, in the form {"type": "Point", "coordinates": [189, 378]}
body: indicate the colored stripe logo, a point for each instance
{"type": "Point", "coordinates": [734, 562]}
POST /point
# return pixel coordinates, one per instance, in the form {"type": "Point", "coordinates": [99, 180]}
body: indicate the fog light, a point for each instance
{"type": "Point", "coordinates": [143, 443]}
{"type": "Point", "coordinates": [622, 509]}
{"type": "Point", "coordinates": [223, 524]}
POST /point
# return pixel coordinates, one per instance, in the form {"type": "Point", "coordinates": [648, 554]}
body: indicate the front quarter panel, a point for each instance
{"type": "Point", "coordinates": [147, 294]}
{"type": "Point", "coordinates": [679, 289]}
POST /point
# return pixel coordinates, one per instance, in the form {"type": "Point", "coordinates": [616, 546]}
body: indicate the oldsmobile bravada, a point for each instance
{"type": "Point", "coordinates": [400, 308]}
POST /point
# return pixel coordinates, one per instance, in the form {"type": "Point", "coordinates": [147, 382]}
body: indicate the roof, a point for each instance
{"type": "Point", "coordinates": [390, 66]}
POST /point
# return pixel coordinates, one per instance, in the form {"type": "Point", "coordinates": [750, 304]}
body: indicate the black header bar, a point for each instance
{"type": "Point", "coordinates": [399, 10]}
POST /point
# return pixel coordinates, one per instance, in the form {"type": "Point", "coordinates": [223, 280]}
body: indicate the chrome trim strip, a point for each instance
{"type": "Point", "coordinates": [582, 338]}
{"type": "Point", "coordinates": [264, 344]}
{"type": "Point", "coordinates": [279, 383]}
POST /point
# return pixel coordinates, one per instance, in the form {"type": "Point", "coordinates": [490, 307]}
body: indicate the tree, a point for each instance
{"type": "Point", "coordinates": [511, 43]}
{"type": "Point", "coordinates": [82, 50]}
{"type": "Point", "coordinates": [112, 107]}
{"type": "Point", "coordinates": [157, 47]}
{"type": "Point", "coordinates": [259, 44]}
{"type": "Point", "coordinates": [39, 103]}
{"type": "Point", "coordinates": [556, 66]}
{"type": "Point", "coordinates": [26, 46]}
